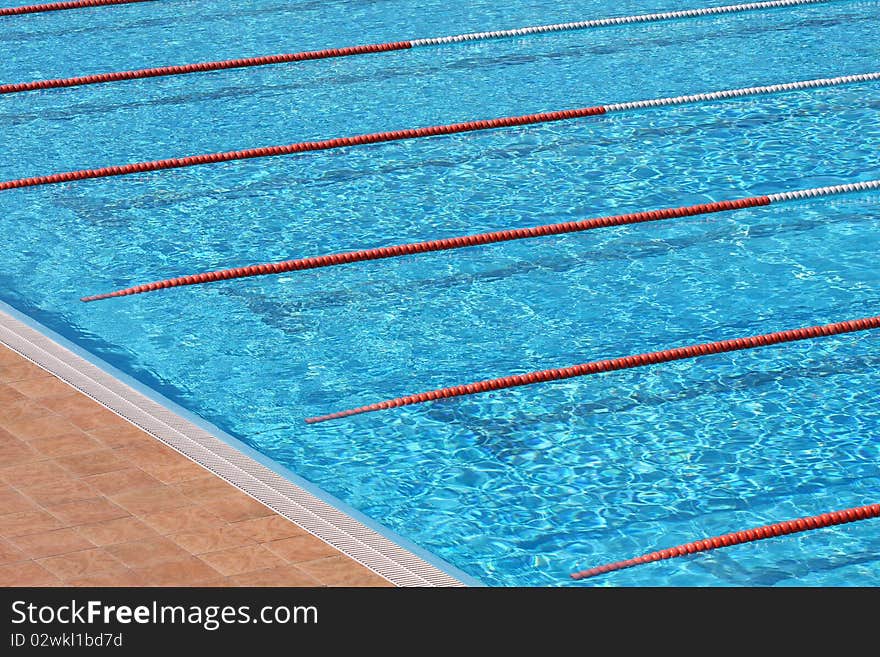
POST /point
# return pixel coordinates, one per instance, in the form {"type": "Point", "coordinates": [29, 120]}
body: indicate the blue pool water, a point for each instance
{"type": "Point", "coordinates": [516, 487]}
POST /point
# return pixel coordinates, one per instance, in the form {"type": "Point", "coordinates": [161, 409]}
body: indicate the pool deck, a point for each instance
{"type": "Point", "coordinates": [88, 499]}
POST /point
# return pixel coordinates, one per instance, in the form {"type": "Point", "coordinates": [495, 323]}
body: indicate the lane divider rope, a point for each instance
{"type": "Point", "coordinates": [265, 60]}
{"type": "Point", "coordinates": [202, 67]}
{"type": "Point", "coordinates": [432, 131]}
{"type": "Point", "coordinates": [736, 538]}
{"type": "Point", "coordinates": [480, 239]}
{"type": "Point", "coordinates": [618, 20]}
{"type": "Point", "coordinates": [59, 6]}
{"type": "Point", "coordinates": [627, 362]}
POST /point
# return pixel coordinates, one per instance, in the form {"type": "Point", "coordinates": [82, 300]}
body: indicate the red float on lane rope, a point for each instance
{"type": "Point", "coordinates": [401, 45]}
{"type": "Point", "coordinates": [203, 67]}
{"type": "Point", "coordinates": [412, 133]}
{"type": "Point", "coordinates": [301, 147]}
{"type": "Point", "coordinates": [315, 262]}
{"type": "Point", "coordinates": [748, 536]}
{"type": "Point", "coordinates": [628, 362]}
{"type": "Point", "coordinates": [58, 6]}
{"type": "Point", "coordinates": [436, 245]}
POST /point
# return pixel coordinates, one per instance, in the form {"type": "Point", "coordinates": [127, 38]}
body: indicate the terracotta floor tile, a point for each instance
{"type": "Point", "coordinates": [269, 528]}
{"type": "Point", "coordinates": [65, 404]}
{"type": "Point", "coordinates": [36, 428]}
{"type": "Point", "coordinates": [282, 576]}
{"type": "Point", "coordinates": [120, 530]}
{"type": "Point", "coordinates": [30, 522]}
{"type": "Point", "coordinates": [11, 501]}
{"type": "Point", "coordinates": [235, 507]}
{"type": "Point", "coordinates": [187, 518]}
{"type": "Point", "coordinates": [26, 573]}
{"type": "Point", "coordinates": [65, 444]}
{"type": "Point", "coordinates": [20, 370]}
{"type": "Point", "coordinates": [22, 409]}
{"type": "Point", "coordinates": [149, 500]}
{"type": "Point", "coordinates": [182, 470]}
{"type": "Point", "coordinates": [93, 416]}
{"type": "Point", "coordinates": [222, 583]}
{"type": "Point", "coordinates": [119, 434]}
{"type": "Point", "coordinates": [91, 463]}
{"type": "Point", "coordinates": [121, 481]}
{"type": "Point", "coordinates": [148, 452]}
{"type": "Point", "coordinates": [35, 473]}
{"type": "Point", "coordinates": [81, 564]}
{"type": "Point", "coordinates": [190, 571]}
{"type": "Point", "coordinates": [9, 553]}
{"type": "Point", "coordinates": [204, 488]}
{"type": "Point", "coordinates": [49, 544]}
{"type": "Point", "coordinates": [61, 491]}
{"type": "Point", "coordinates": [44, 388]}
{"type": "Point", "coordinates": [103, 481]}
{"type": "Point", "coordinates": [302, 548]}
{"type": "Point", "coordinates": [236, 561]}
{"type": "Point", "coordinates": [211, 540]}
{"type": "Point", "coordinates": [14, 451]}
{"type": "Point", "coordinates": [87, 512]}
{"type": "Point", "coordinates": [113, 579]}
{"type": "Point", "coordinates": [7, 356]}
{"type": "Point", "coordinates": [9, 395]}
{"type": "Point", "coordinates": [341, 571]}
{"type": "Point", "coordinates": [142, 554]}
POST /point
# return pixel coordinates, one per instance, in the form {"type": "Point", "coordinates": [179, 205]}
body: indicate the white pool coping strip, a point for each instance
{"type": "Point", "coordinates": [351, 536]}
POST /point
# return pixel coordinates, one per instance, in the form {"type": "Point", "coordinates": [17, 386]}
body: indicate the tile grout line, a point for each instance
{"type": "Point", "coordinates": [351, 537]}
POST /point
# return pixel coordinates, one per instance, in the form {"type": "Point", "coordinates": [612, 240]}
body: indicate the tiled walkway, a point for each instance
{"type": "Point", "coordinates": [87, 499]}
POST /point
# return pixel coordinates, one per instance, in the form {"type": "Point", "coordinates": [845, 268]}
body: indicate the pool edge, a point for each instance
{"type": "Point", "coordinates": [352, 533]}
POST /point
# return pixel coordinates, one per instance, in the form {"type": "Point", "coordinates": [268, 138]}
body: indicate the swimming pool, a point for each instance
{"type": "Point", "coordinates": [515, 487]}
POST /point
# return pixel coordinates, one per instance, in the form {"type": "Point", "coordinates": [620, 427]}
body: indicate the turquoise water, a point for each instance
{"type": "Point", "coordinates": [516, 487]}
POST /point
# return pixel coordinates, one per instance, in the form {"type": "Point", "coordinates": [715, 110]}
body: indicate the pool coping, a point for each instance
{"type": "Point", "coordinates": [355, 535]}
